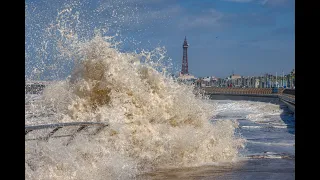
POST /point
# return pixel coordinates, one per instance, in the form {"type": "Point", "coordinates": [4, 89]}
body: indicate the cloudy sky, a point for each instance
{"type": "Point", "coordinates": [247, 37]}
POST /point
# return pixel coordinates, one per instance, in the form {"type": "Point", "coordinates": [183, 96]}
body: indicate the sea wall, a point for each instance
{"type": "Point", "coordinates": [261, 98]}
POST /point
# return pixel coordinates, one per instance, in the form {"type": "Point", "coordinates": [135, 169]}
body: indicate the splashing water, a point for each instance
{"type": "Point", "coordinates": [154, 122]}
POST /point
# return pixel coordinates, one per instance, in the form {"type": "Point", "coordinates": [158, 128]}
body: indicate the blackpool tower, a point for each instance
{"type": "Point", "coordinates": [184, 69]}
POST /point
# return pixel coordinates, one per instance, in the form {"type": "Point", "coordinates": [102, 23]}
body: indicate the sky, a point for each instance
{"type": "Point", "coordinates": [246, 37]}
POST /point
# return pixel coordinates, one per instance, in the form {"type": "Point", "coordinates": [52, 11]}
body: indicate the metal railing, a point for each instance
{"type": "Point", "coordinates": [286, 98]}
{"type": "Point", "coordinates": [56, 127]}
{"type": "Point", "coordinates": [258, 91]}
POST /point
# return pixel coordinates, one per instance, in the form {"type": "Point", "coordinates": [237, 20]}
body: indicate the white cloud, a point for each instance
{"type": "Point", "coordinates": [135, 14]}
{"type": "Point", "coordinates": [210, 18]}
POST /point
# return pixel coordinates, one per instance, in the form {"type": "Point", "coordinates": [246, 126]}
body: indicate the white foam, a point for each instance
{"type": "Point", "coordinates": [154, 122]}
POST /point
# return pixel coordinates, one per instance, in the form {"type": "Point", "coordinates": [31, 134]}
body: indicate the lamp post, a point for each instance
{"type": "Point", "coordinates": [282, 79]}
{"type": "Point", "coordinates": [276, 79]}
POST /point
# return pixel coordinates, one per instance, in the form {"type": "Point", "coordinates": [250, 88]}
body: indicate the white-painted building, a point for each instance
{"type": "Point", "coordinates": [257, 82]}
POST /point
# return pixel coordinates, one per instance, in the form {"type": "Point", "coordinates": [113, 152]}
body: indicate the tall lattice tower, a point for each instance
{"type": "Point", "coordinates": [184, 69]}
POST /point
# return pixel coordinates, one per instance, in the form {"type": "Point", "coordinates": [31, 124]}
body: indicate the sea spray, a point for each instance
{"type": "Point", "coordinates": [154, 122]}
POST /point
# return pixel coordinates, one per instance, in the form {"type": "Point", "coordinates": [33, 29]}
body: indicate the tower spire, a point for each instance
{"type": "Point", "coordinates": [184, 69]}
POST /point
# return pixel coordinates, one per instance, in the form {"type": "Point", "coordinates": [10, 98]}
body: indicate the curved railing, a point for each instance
{"type": "Point", "coordinates": [287, 98]}
{"type": "Point", "coordinates": [80, 126]}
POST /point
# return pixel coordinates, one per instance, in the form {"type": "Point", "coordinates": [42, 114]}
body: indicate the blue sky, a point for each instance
{"type": "Point", "coordinates": [249, 37]}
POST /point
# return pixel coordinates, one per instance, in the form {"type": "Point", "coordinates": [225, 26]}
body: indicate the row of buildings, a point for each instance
{"type": "Point", "coordinates": [265, 81]}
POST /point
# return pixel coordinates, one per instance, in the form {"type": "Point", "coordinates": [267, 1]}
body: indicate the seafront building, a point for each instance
{"type": "Point", "coordinates": [234, 80]}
